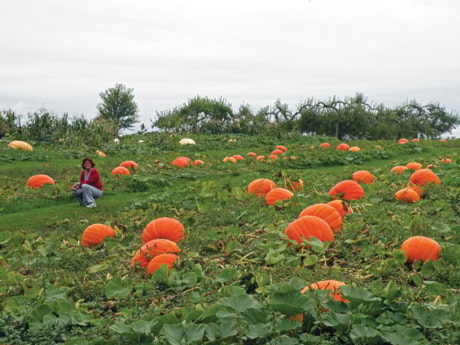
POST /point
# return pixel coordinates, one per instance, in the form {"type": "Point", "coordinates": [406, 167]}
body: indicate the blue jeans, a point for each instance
{"type": "Point", "coordinates": [87, 193]}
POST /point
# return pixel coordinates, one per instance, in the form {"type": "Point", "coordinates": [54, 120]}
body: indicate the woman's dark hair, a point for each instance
{"type": "Point", "coordinates": [86, 159]}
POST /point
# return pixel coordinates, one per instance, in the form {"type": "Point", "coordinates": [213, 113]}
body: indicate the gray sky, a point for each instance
{"type": "Point", "coordinates": [59, 54]}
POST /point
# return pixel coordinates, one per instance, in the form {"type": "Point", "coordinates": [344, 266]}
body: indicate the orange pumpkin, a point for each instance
{"type": "Point", "coordinates": [446, 160]}
{"type": "Point", "coordinates": [164, 227]}
{"type": "Point", "coordinates": [273, 157]}
{"type": "Point", "coordinates": [19, 144]}
{"type": "Point", "coordinates": [252, 154]}
{"type": "Point", "coordinates": [238, 157]}
{"type": "Point", "coordinates": [277, 152]}
{"type": "Point", "coordinates": [181, 162]}
{"type": "Point", "coordinates": [197, 162]}
{"type": "Point", "coordinates": [37, 181]}
{"type": "Point", "coordinates": [326, 212]}
{"type": "Point", "coordinates": [277, 194]}
{"type": "Point", "coordinates": [151, 249]}
{"type": "Point", "coordinates": [260, 158]}
{"type": "Point", "coordinates": [403, 141]}
{"type": "Point", "coordinates": [330, 284]}
{"type": "Point", "coordinates": [120, 171]}
{"type": "Point", "coordinates": [342, 147]}
{"type": "Point", "coordinates": [424, 176]}
{"type": "Point", "coordinates": [325, 145]}
{"type": "Point", "coordinates": [354, 149]}
{"type": "Point", "coordinates": [348, 190]}
{"type": "Point", "coordinates": [363, 176]}
{"type": "Point", "coordinates": [341, 206]}
{"type": "Point", "coordinates": [261, 186]}
{"type": "Point", "coordinates": [294, 185]}
{"type": "Point", "coordinates": [407, 194]}
{"type": "Point", "coordinates": [95, 234]}
{"type": "Point", "coordinates": [414, 165]}
{"type": "Point", "coordinates": [161, 259]}
{"type": "Point", "coordinates": [418, 189]}
{"type": "Point", "coordinates": [415, 140]}
{"type": "Point", "coordinates": [281, 147]}
{"type": "Point", "coordinates": [421, 248]}
{"type": "Point", "coordinates": [129, 164]}
{"type": "Point", "coordinates": [398, 169]}
{"type": "Point", "coordinates": [309, 226]}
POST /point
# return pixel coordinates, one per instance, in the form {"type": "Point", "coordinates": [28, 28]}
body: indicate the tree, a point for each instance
{"type": "Point", "coordinates": [118, 106]}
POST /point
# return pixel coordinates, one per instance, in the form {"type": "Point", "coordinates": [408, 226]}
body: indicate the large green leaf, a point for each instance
{"type": "Point", "coordinates": [118, 288]}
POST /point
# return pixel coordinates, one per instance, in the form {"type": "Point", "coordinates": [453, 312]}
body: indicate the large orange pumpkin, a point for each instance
{"type": "Point", "coordinates": [341, 206]}
{"type": "Point", "coordinates": [309, 226]}
{"type": "Point", "coordinates": [261, 186]}
{"type": "Point", "coordinates": [354, 149]}
{"type": "Point", "coordinates": [161, 259]}
{"type": "Point", "coordinates": [277, 194]}
{"type": "Point", "coordinates": [151, 249]}
{"type": "Point", "coordinates": [276, 152]}
{"type": "Point", "coordinates": [403, 141]}
{"type": "Point", "coordinates": [37, 181]}
{"type": "Point", "coordinates": [407, 194]}
{"type": "Point", "coordinates": [325, 212]}
{"type": "Point", "coordinates": [421, 248]}
{"type": "Point", "coordinates": [164, 227]}
{"type": "Point", "coordinates": [348, 190]}
{"type": "Point", "coordinates": [424, 176]}
{"type": "Point", "coordinates": [120, 171]}
{"type": "Point", "coordinates": [325, 145]}
{"type": "Point", "coordinates": [363, 176]}
{"type": "Point", "coordinates": [330, 284]}
{"type": "Point", "coordinates": [95, 234]}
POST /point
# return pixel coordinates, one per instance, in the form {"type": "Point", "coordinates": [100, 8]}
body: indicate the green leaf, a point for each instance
{"type": "Point", "coordinates": [120, 328]}
{"type": "Point", "coordinates": [240, 302]}
{"type": "Point", "coordinates": [291, 303]}
{"type": "Point", "coordinates": [118, 288]}
{"type": "Point", "coordinates": [401, 335]}
{"type": "Point", "coordinates": [173, 334]}
{"type": "Point", "coordinates": [357, 295]}
{"type": "Point", "coordinates": [227, 275]}
{"type": "Point", "coordinates": [362, 334]}
{"type": "Point", "coordinates": [142, 326]}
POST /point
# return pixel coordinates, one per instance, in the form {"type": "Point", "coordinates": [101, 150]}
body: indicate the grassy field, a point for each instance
{"type": "Point", "coordinates": [238, 278]}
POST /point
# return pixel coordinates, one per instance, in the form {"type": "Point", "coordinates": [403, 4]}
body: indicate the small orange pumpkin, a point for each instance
{"type": "Point", "coordinates": [348, 190]}
{"type": "Point", "coordinates": [421, 248]}
{"type": "Point", "coordinates": [260, 158]}
{"type": "Point", "coordinates": [403, 141]}
{"type": "Point", "coordinates": [309, 226]}
{"type": "Point", "coordinates": [446, 160]}
{"type": "Point", "coordinates": [95, 234]}
{"type": "Point", "coordinates": [161, 259]}
{"type": "Point", "coordinates": [197, 162]}
{"type": "Point", "coordinates": [333, 285]}
{"type": "Point", "coordinates": [129, 164]}
{"type": "Point", "coordinates": [238, 157]}
{"type": "Point", "coordinates": [120, 171]}
{"type": "Point", "coordinates": [326, 212]}
{"type": "Point", "coordinates": [281, 147]}
{"type": "Point", "coordinates": [424, 176]}
{"type": "Point", "coordinates": [151, 249]}
{"type": "Point", "coordinates": [252, 154]}
{"type": "Point", "coordinates": [181, 162]}
{"type": "Point", "coordinates": [354, 149]}
{"type": "Point", "coordinates": [277, 194]}
{"type": "Point", "coordinates": [363, 176]}
{"type": "Point", "coordinates": [276, 152]}
{"type": "Point", "coordinates": [414, 165]}
{"type": "Point", "coordinates": [37, 181]}
{"type": "Point", "coordinates": [261, 186]}
{"type": "Point", "coordinates": [398, 169]}
{"type": "Point", "coordinates": [164, 227]}
{"type": "Point", "coordinates": [342, 147]}
{"type": "Point", "coordinates": [325, 145]}
{"type": "Point", "coordinates": [407, 194]}
{"type": "Point", "coordinates": [341, 206]}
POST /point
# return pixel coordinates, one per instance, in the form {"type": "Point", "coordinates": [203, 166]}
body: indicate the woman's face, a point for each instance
{"type": "Point", "coordinates": [87, 165]}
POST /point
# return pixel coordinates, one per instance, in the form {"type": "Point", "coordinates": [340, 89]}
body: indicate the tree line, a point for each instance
{"type": "Point", "coordinates": [349, 118]}
{"type": "Point", "coordinates": [352, 117]}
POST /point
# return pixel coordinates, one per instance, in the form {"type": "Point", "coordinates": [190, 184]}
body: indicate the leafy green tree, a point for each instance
{"type": "Point", "coordinates": [118, 106]}
{"type": "Point", "coordinates": [198, 115]}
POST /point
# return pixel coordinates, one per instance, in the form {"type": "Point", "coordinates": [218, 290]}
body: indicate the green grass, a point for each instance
{"type": "Point", "coordinates": [237, 280]}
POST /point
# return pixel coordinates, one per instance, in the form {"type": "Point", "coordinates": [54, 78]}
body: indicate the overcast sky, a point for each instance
{"type": "Point", "coordinates": [59, 54]}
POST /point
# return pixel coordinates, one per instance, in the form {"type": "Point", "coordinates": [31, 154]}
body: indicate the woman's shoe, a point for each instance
{"type": "Point", "coordinates": [91, 205]}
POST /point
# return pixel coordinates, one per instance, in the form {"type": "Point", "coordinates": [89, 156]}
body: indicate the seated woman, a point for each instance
{"type": "Point", "coordinates": [90, 186]}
